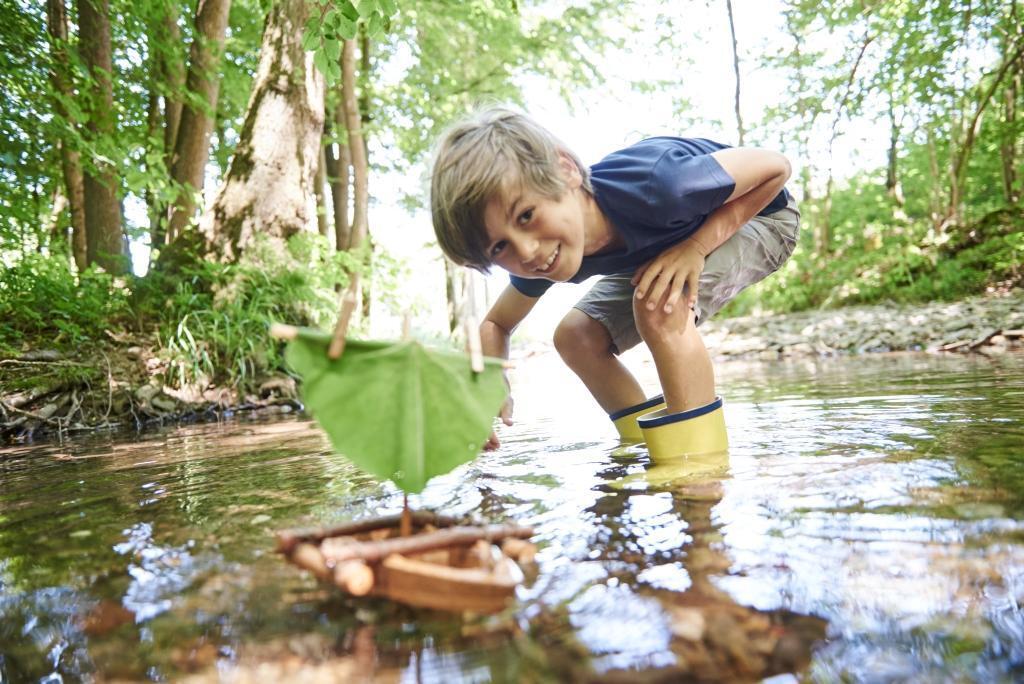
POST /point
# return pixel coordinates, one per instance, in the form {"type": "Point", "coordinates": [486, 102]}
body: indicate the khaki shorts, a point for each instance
{"type": "Point", "coordinates": [756, 251]}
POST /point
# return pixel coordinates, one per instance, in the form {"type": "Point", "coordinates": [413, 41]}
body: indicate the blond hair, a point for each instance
{"type": "Point", "coordinates": [477, 160]}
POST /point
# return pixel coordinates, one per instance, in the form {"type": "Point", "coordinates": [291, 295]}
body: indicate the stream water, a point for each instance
{"type": "Point", "coordinates": [875, 505]}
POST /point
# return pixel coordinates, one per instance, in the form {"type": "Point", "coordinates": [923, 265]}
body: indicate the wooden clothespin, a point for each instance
{"type": "Point", "coordinates": [348, 306]}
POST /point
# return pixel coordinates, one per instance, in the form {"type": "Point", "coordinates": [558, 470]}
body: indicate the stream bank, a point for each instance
{"type": "Point", "coordinates": [47, 394]}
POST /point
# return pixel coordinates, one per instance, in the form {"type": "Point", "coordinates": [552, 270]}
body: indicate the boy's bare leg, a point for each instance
{"type": "Point", "coordinates": [585, 346]}
{"type": "Point", "coordinates": [684, 367]}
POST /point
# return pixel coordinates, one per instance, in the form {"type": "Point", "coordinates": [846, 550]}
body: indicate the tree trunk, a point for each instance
{"type": "Point", "coordinates": [338, 177]}
{"type": "Point", "coordinates": [356, 146]}
{"type": "Point", "coordinates": [1008, 147]}
{"type": "Point", "coordinates": [192, 144]}
{"type": "Point", "coordinates": [269, 186]}
{"type": "Point", "coordinates": [321, 200]}
{"type": "Point", "coordinates": [451, 291]}
{"type": "Point", "coordinates": [172, 70]}
{"type": "Point", "coordinates": [104, 237]}
{"type": "Point", "coordinates": [736, 69]}
{"type": "Point", "coordinates": [893, 187]}
{"type": "Point", "coordinates": [962, 154]}
{"type": "Point", "coordinates": [71, 163]}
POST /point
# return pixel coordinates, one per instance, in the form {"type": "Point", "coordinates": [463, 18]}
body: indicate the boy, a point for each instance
{"type": "Point", "coordinates": [677, 226]}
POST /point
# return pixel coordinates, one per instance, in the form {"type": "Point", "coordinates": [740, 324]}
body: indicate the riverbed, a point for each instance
{"type": "Point", "coordinates": [870, 507]}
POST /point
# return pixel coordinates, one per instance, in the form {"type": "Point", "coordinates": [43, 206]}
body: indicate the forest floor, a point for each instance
{"type": "Point", "coordinates": [46, 394]}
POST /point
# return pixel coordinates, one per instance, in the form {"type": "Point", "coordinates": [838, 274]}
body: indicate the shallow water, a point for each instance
{"type": "Point", "coordinates": [883, 495]}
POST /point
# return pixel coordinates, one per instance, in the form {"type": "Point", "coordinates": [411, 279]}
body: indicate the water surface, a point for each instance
{"type": "Point", "coordinates": [878, 499]}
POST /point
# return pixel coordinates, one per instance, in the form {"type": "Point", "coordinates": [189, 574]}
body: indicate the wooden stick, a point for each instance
{"type": "Point", "coordinates": [473, 344]}
{"type": "Point", "coordinates": [405, 526]}
{"type": "Point", "coordinates": [280, 331]}
{"type": "Point", "coordinates": [308, 557]}
{"type": "Point", "coordinates": [354, 576]}
{"type": "Point", "coordinates": [348, 306]}
{"type": "Point", "coordinates": [289, 539]}
{"type": "Point", "coordinates": [373, 552]}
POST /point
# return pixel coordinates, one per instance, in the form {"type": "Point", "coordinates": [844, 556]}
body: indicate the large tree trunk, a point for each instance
{"type": "Point", "coordinates": [269, 186]}
{"type": "Point", "coordinates": [71, 163]}
{"type": "Point", "coordinates": [192, 143]}
{"type": "Point", "coordinates": [104, 237]}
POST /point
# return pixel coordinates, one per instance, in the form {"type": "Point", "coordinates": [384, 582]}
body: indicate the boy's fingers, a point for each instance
{"type": "Point", "coordinates": [492, 442]}
{"type": "Point", "coordinates": [673, 299]}
{"type": "Point", "coordinates": [694, 282]}
{"type": "Point", "coordinates": [658, 291]}
{"type": "Point", "coordinates": [646, 280]}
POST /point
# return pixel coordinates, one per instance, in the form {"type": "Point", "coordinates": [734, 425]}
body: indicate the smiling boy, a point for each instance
{"type": "Point", "coordinates": [678, 227]}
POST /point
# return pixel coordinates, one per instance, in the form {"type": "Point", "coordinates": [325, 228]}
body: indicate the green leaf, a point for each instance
{"type": "Point", "coordinates": [346, 28]}
{"type": "Point", "coordinates": [321, 61]}
{"type": "Point", "coordinates": [375, 26]}
{"type": "Point", "coordinates": [400, 411]}
{"type": "Point", "coordinates": [333, 49]}
{"type": "Point", "coordinates": [310, 40]}
{"type": "Point", "coordinates": [366, 7]}
{"type": "Point", "coordinates": [388, 7]}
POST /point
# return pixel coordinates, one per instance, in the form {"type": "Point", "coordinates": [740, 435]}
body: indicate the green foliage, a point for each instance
{"type": "Point", "coordinates": [212, 318]}
{"type": "Point", "coordinates": [42, 303]}
{"type": "Point", "coordinates": [339, 20]}
{"type": "Point", "coordinates": [399, 411]}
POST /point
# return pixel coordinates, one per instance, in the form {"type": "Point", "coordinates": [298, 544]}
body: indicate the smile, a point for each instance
{"type": "Point", "coordinates": [551, 260]}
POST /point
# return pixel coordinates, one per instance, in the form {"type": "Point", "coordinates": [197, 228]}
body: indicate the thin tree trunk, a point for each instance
{"type": "Point", "coordinates": [104, 237]}
{"type": "Point", "coordinates": [958, 169]}
{"type": "Point", "coordinates": [451, 291]}
{"type": "Point", "coordinates": [893, 187]}
{"type": "Point", "coordinates": [172, 70]}
{"type": "Point", "coordinates": [736, 69]}
{"type": "Point", "coordinates": [192, 144]}
{"type": "Point", "coordinates": [338, 177]}
{"type": "Point", "coordinates": [269, 186]}
{"type": "Point", "coordinates": [71, 163]}
{"type": "Point", "coordinates": [356, 146]}
{"type": "Point", "coordinates": [357, 150]}
{"type": "Point", "coordinates": [168, 79]}
{"type": "Point", "coordinates": [823, 236]}
{"type": "Point", "coordinates": [1008, 148]}
{"type": "Point", "coordinates": [321, 200]}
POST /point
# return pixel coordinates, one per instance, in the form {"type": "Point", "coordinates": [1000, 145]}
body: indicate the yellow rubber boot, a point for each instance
{"type": "Point", "coordinates": [625, 420]}
{"type": "Point", "coordinates": [697, 431]}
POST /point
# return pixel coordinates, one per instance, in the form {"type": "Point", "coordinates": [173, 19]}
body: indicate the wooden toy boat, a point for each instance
{"type": "Point", "coordinates": [438, 564]}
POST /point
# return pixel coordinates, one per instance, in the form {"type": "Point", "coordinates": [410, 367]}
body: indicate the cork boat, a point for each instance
{"type": "Point", "coordinates": [418, 558]}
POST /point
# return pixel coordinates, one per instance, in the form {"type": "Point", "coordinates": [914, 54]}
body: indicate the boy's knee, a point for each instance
{"type": "Point", "coordinates": [579, 336]}
{"type": "Point", "coordinates": [657, 327]}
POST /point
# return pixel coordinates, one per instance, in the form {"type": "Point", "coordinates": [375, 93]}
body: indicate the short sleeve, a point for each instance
{"type": "Point", "coordinates": [531, 287]}
{"type": "Point", "coordinates": [684, 187]}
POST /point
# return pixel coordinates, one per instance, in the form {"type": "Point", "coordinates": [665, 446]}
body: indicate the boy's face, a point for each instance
{"type": "Point", "coordinates": [533, 236]}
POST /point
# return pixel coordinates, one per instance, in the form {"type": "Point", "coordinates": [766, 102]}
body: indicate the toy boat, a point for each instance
{"type": "Point", "coordinates": [441, 564]}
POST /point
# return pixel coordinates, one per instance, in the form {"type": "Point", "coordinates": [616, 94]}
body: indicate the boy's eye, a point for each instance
{"type": "Point", "coordinates": [525, 217]}
{"type": "Point", "coordinates": [497, 247]}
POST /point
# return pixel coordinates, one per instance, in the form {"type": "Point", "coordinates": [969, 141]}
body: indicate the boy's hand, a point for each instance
{"type": "Point", "coordinates": [505, 414]}
{"type": "Point", "coordinates": [676, 268]}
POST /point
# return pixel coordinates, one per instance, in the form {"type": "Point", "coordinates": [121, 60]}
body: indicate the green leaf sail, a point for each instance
{"type": "Point", "coordinates": [398, 410]}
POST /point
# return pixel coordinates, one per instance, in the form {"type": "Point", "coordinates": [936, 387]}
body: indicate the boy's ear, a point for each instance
{"type": "Point", "coordinates": [570, 172]}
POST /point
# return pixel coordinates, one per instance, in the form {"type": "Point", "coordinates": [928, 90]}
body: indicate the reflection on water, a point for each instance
{"type": "Point", "coordinates": [871, 506]}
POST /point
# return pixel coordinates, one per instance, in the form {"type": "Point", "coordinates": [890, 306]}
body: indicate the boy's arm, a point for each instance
{"type": "Point", "coordinates": [496, 331]}
{"type": "Point", "coordinates": [759, 176]}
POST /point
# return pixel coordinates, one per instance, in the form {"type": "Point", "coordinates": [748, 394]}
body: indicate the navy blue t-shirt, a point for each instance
{"type": "Point", "coordinates": [656, 193]}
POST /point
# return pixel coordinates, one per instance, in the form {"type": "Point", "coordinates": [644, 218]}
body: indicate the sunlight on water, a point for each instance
{"type": "Point", "coordinates": [870, 510]}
